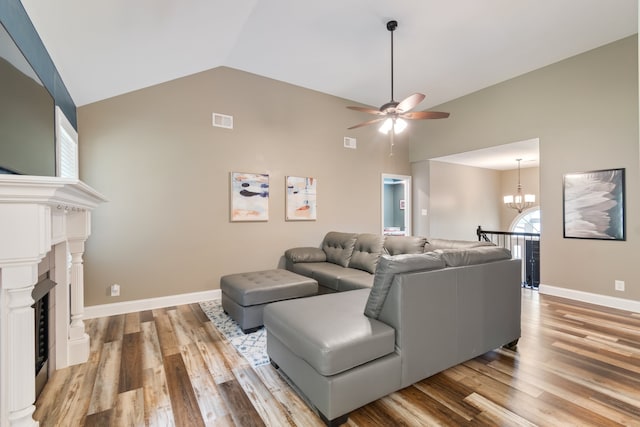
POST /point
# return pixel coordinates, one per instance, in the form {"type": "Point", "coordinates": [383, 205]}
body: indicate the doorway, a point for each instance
{"type": "Point", "coordinates": [396, 205]}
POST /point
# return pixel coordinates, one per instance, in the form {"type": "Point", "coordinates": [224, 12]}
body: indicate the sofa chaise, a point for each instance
{"type": "Point", "coordinates": [423, 313]}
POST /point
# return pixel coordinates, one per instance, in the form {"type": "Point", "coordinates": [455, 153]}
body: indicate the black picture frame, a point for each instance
{"type": "Point", "coordinates": [594, 205]}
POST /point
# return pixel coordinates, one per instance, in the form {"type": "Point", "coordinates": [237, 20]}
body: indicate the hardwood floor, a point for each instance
{"type": "Point", "coordinates": [576, 365]}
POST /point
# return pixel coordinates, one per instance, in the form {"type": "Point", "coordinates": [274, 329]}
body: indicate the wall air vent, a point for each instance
{"type": "Point", "coordinates": [222, 121]}
{"type": "Point", "coordinates": [349, 142]}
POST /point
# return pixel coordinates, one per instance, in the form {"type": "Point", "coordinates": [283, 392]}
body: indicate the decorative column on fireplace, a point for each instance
{"type": "Point", "coordinates": [37, 214]}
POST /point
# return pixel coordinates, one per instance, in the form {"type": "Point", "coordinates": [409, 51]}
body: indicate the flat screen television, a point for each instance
{"type": "Point", "coordinates": [27, 115]}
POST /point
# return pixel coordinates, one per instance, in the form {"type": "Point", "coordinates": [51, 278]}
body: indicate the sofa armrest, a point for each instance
{"type": "Point", "coordinates": [307, 254]}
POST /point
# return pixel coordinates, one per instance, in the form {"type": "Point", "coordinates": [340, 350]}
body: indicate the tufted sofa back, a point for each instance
{"type": "Point", "coordinates": [398, 245]}
{"type": "Point", "coordinates": [339, 247]}
{"type": "Point", "coordinates": [366, 252]}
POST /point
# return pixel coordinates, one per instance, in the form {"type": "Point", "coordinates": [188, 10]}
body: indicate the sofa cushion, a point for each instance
{"type": "Point", "coordinates": [306, 254]}
{"type": "Point", "coordinates": [366, 252]}
{"type": "Point", "coordinates": [388, 267]}
{"type": "Point", "coordinates": [307, 268]}
{"type": "Point", "coordinates": [329, 331]}
{"type": "Point", "coordinates": [330, 275]}
{"type": "Point", "coordinates": [339, 247]}
{"type": "Point", "coordinates": [433, 244]}
{"type": "Point", "coordinates": [479, 255]}
{"type": "Point", "coordinates": [359, 281]}
{"type": "Point", "coordinates": [397, 245]}
{"type": "Point", "coordinates": [327, 274]}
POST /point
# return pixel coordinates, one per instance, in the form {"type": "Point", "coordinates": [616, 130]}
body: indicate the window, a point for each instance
{"type": "Point", "coordinates": [527, 222]}
{"type": "Point", "coordinates": [528, 248]}
{"type": "Point", "coordinates": [66, 147]}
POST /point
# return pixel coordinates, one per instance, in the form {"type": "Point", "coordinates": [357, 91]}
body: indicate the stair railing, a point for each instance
{"type": "Point", "coordinates": [525, 246]}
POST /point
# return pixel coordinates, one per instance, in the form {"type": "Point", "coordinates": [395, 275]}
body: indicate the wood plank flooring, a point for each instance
{"type": "Point", "coordinates": [576, 365]}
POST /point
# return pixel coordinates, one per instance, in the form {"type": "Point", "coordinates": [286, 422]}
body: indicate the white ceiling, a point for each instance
{"type": "Point", "coordinates": [444, 49]}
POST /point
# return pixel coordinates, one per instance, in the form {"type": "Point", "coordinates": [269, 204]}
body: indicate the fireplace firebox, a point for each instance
{"type": "Point", "coordinates": [42, 319]}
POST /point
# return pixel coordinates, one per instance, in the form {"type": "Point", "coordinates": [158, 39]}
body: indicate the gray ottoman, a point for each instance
{"type": "Point", "coordinates": [244, 295]}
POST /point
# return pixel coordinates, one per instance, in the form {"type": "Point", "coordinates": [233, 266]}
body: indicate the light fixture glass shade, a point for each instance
{"type": "Point", "coordinates": [386, 126]}
{"type": "Point", "coordinates": [519, 201]}
{"type": "Point", "coordinates": [399, 126]}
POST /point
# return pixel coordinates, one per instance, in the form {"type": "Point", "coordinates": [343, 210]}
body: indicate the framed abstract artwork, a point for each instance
{"type": "Point", "coordinates": [249, 197]}
{"type": "Point", "coordinates": [301, 198]}
{"type": "Point", "coordinates": [594, 205]}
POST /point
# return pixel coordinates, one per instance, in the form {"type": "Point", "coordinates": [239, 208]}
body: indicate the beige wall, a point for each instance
{"type": "Point", "coordinates": [165, 169]}
{"type": "Point", "coordinates": [585, 112]}
{"type": "Point", "coordinates": [421, 198]}
{"type": "Point", "coordinates": [461, 198]}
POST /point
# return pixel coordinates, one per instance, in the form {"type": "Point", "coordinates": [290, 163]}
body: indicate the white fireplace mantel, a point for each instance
{"type": "Point", "coordinates": [36, 214]}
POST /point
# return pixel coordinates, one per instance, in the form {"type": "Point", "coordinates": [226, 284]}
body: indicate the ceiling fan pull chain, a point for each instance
{"type": "Point", "coordinates": [392, 135]}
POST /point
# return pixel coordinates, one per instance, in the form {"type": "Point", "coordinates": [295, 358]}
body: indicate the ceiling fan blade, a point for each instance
{"type": "Point", "coordinates": [367, 110]}
{"type": "Point", "coordinates": [369, 122]}
{"type": "Point", "coordinates": [410, 102]}
{"type": "Point", "coordinates": [421, 115]}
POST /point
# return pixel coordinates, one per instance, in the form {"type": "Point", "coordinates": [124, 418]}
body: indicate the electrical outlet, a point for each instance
{"type": "Point", "coordinates": [619, 285]}
{"type": "Point", "coordinates": [115, 290]}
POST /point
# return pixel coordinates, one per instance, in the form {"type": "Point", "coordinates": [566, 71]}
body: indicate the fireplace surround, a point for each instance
{"type": "Point", "coordinates": [36, 215]}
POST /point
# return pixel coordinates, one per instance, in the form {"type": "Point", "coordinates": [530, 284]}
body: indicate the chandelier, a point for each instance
{"type": "Point", "coordinates": [519, 201]}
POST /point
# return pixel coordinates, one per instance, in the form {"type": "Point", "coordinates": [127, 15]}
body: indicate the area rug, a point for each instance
{"type": "Point", "coordinates": [252, 347]}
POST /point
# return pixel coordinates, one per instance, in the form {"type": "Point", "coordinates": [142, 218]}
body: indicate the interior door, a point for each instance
{"type": "Point", "coordinates": [396, 205]}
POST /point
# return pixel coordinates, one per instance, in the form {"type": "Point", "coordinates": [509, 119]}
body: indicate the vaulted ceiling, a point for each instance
{"type": "Point", "coordinates": [444, 49]}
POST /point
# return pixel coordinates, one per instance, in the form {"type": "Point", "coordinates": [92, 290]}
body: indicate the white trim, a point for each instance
{"type": "Point", "coordinates": [66, 147]}
{"type": "Point", "coordinates": [408, 192]}
{"type": "Point", "coordinates": [37, 213]}
{"type": "Point", "coordinates": [604, 300]}
{"type": "Point", "coordinates": [103, 310]}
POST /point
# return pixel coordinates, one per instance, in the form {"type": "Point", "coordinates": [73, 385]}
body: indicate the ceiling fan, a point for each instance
{"type": "Point", "coordinates": [393, 113]}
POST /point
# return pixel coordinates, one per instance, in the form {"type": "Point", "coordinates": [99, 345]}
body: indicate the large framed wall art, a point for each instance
{"type": "Point", "coordinates": [300, 204]}
{"type": "Point", "coordinates": [594, 205]}
{"type": "Point", "coordinates": [249, 197]}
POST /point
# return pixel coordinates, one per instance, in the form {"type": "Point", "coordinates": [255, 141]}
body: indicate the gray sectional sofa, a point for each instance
{"type": "Point", "coordinates": [416, 315]}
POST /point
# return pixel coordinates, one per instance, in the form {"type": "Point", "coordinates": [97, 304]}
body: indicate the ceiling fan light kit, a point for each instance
{"type": "Point", "coordinates": [394, 114]}
{"type": "Point", "coordinates": [398, 125]}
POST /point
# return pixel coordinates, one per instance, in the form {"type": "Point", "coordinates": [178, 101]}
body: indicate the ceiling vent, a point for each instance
{"type": "Point", "coordinates": [222, 121]}
{"type": "Point", "coordinates": [349, 142]}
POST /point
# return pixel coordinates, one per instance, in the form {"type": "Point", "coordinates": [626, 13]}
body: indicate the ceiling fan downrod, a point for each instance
{"type": "Point", "coordinates": [391, 26]}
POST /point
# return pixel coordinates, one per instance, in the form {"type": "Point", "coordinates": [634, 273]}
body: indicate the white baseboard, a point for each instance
{"type": "Point", "coordinates": [104, 310]}
{"type": "Point", "coordinates": [604, 300]}
{"type": "Point", "coordinates": [112, 309]}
